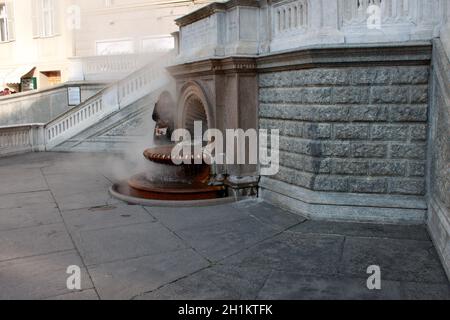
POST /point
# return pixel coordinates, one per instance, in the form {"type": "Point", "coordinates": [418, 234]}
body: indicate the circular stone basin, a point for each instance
{"type": "Point", "coordinates": [191, 185]}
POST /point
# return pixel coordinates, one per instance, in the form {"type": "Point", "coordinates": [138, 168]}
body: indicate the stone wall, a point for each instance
{"type": "Point", "coordinates": [439, 155]}
{"type": "Point", "coordinates": [357, 130]}
{"type": "Point", "coordinates": [348, 131]}
{"type": "Point", "coordinates": [40, 106]}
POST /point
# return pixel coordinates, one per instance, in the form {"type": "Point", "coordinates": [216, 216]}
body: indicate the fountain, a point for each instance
{"type": "Point", "coordinates": [167, 181]}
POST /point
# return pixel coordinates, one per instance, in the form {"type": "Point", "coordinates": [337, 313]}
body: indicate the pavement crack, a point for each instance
{"type": "Point", "coordinates": [70, 235]}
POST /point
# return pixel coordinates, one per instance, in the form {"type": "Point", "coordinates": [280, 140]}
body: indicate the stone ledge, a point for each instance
{"type": "Point", "coordinates": [379, 54]}
{"type": "Point", "coordinates": [394, 54]}
{"type": "Point", "coordinates": [212, 8]}
{"type": "Point", "coordinates": [389, 209]}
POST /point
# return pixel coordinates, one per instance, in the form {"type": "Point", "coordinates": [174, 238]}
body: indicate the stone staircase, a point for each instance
{"type": "Point", "coordinates": [116, 131]}
{"type": "Point", "coordinates": [102, 122]}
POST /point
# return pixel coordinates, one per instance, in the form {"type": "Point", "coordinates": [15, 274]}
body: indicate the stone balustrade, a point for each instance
{"type": "Point", "coordinates": [21, 138]}
{"type": "Point", "coordinates": [107, 67]}
{"type": "Point", "coordinates": [248, 27]}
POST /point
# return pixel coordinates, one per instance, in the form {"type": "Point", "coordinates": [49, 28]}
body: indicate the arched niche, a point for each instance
{"type": "Point", "coordinates": [193, 106]}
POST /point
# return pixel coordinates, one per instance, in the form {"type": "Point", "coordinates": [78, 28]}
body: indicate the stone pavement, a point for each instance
{"type": "Point", "coordinates": [55, 211]}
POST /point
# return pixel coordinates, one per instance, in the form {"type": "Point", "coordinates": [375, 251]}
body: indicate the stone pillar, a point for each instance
{"type": "Point", "coordinates": [239, 97]}
{"type": "Point", "coordinates": [428, 14]}
{"type": "Point", "coordinates": [324, 22]}
{"type": "Point", "coordinates": [228, 89]}
{"type": "Point", "coordinates": [445, 30]}
{"type": "Point", "coordinates": [75, 69]}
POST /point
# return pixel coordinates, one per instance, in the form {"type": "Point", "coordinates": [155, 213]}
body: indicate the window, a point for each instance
{"type": "Point", "coordinates": [45, 18]}
{"type": "Point", "coordinates": [6, 21]}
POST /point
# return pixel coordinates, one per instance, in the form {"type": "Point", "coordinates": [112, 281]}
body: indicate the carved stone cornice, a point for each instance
{"type": "Point", "coordinates": [214, 66]}
{"type": "Point", "coordinates": [212, 8]}
{"type": "Point", "coordinates": [417, 53]}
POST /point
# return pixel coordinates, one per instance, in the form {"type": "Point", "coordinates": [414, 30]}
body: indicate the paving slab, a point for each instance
{"type": "Point", "coordinates": [399, 260]}
{"type": "Point", "coordinates": [295, 286]}
{"type": "Point", "coordinates": [266, 213]}
{"type": "Point", "coordinates": [76, 190]}
{"type": "Point", "coordinates": [21, 217]}
{"type": "Point", "coordinates": [107, 216]}
{"type": "Point", "coordinates": [125, 242]}
{"type": "Point", "coordinates": [27, 199]}
{"type": "Point", "coordinates": [88, 294]}
{"type": "Point", "coordinates": [39, 277]}
{"type": "Point", "coordinates": [221, 240]}
{"type": "Point", "coordinates": [215, 283]}
{"type": "Point", "coordinates": [31, 160]}
{"type": "Point", "coordinates": [32, 241]}
{"type": "Point", "coordinates": [413, 232]}
{"type": "Point", "coordinates": [185, 218]}
{"type": "Point", "coordinates": [21, 180]}
{"type": "Point", "coordinates": [129, 278]}
{"type": "Point", "coordinates": [308, 254]}
{"type": "Point", "coordinates": [425, 291]}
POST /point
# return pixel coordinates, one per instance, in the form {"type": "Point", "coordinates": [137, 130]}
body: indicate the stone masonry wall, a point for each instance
{"type": "Point", "coordinates": [352, 129]}
{"type": "Point", "coordinates": [439, 155]}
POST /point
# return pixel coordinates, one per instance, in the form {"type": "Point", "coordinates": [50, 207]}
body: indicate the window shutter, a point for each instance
{"type": "Point", "coordinates": [56, 17]}
{"type": "Point", "coordinates": [11, 22]}
{"type": "Point", "coordinates": [36, 14]}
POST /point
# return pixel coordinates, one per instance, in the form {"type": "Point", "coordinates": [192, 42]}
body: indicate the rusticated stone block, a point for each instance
{"type": "Point", "coordinates": [350, 95]}
{"type": "Point", "coordinates": [387, 168]}
{"type": "Point", "coordinates": [296, 95]}
{"type": "Point", "coordinates": [408, 113]}
{"type": "Point", "coordinates": [408, 151]}
{"type": "Point", "coordinates": [407, 186]}
{"type": "Point", "coordinates": [411, 75]}
{"type": "Point", "coordinates": [294, 177]}
{"type": "Point", "coordinates": [305, 163]}
{"type": "Point", "coordinates": [317, 131]}
{"type": "Point", "coordinates": [304, 113]}
{"type": "Point", "coordinates": [367, 113]}
{"type": "Point", "coordinates": [349, 167]}
{"type": "Point", "coordinates": [300, 78]}
{"type": "Point", "coordinates": [331, 77]}
{"type": "Point", "coordinates": [417, 169]}
{"type": "Point", "coordinates": [296, 145]}
{"type": "Point", "coordinates": [390, 75]}
{"type": "Point", "coordinates": [418, 132]}
{"type": "Point", "coordinates": [351, 131]}
{"type": "Point", "coordinates": [367, 185]}
{"type": "Point", "coordinates": [369, 150]}
{"type": "Point", "coordinates": [330, 183]}
{"type": "Point", "coordinates": [389, 132]}
{"type": "Point", "coordinates": [334, 149]}
{"type": "Point", "coordinates": [419, 94]}
{"type": "Point", "coordinates": [392, 94]}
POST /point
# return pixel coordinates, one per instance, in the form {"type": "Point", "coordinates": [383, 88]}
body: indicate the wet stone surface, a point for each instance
{"type": "Point", "coordinates": [55, 211]}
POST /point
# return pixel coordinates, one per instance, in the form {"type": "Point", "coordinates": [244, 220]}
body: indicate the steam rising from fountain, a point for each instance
{"type": "Point", "coordinates": [163, 180]}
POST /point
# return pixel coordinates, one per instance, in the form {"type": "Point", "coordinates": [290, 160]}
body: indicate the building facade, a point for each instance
{"type": "Point", "coordinates": [46, 42]}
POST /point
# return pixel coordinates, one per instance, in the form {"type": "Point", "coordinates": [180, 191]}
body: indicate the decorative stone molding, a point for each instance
{"type": "Point", "coordinates": [220, 29]}
{"type": "Point", "coordinates": [228, 29]}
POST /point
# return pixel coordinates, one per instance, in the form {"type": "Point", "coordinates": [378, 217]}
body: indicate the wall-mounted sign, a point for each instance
{"type": "Point", "coordinates": [74, 96]}
{"type": "Point", "coordinates": [27, 84]}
